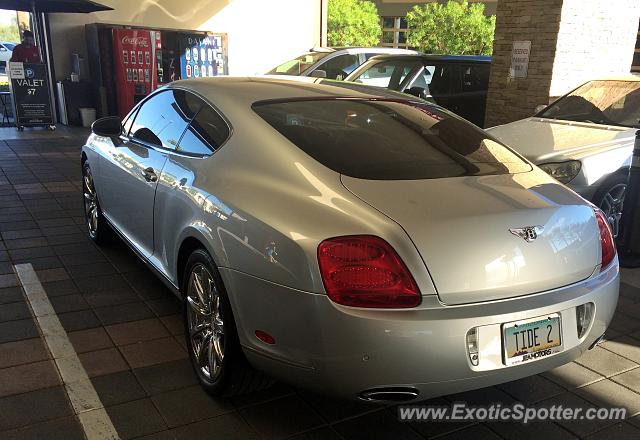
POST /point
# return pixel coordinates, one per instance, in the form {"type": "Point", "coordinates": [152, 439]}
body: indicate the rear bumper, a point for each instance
{"type": "Point", "coordinates": [344, 351]}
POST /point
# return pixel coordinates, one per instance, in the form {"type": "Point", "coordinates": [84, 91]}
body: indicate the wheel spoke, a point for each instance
{"type": "Point", "coordinates": [212, 358]}
{"type": "Point", "coordinates": [218, 349]}
{"type": "Point", "coordinates": [199, 288]}
{"type": "Point", "coordinates": [215, 305]}
{"type": "Point", "coordinates": [608, 199]}
{"type": "Point", "coordinates": [198, 329]}
{"type": "Point", "coordinates": [88, 183]}
{"type": "Point", "coordinates": [202, 349]}
{"type": "Point", "coordinates": [196, 307]}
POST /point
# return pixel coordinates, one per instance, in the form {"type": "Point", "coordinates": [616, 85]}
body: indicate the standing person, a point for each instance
{"type": "Point", "coordinates": [27, 51]}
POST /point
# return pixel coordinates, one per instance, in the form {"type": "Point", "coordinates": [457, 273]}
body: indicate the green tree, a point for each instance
{"type": "Point", "coordinates": [353, 23]}
{"type": "Point", "coordinates": [456, 28]}
{"type": "Point", "coordinates": [10, 31]}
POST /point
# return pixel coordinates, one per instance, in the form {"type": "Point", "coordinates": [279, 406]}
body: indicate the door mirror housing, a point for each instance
{"type": "Point", "coordinates": [540, 108]}
{"type": "Point", "coordinates": [420, 92]}
{"type": "Point", "coordinates": [110, 126]}
{"type": "Point", "coordinates": [319, 74]}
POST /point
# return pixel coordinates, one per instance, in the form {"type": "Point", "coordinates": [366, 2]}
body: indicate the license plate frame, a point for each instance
{"type": "Point", "coordinates": [512, 354]}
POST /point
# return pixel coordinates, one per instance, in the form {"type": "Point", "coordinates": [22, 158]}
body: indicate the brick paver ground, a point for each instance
{"type": "Point", "coordinates": [127, 330]}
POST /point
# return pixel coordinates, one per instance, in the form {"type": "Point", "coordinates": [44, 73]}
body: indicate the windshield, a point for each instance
{"type": "Point", "coordinates": [298, 65]}
{"type": "Point", "coordinates": [9, 46]}
{"type": "Point", "coordinates": [600, 102]}
{"type": "Point", "coordinates": [389, 140]}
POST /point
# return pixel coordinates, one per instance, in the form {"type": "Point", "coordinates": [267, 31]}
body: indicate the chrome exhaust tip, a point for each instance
{"type": "Point", "coordinates": [597, 342]}
{"type": "Point", "coordinates": [389, 394]}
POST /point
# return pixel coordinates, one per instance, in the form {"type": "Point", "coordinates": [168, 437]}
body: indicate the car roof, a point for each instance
{"type": "Point", "coordinates": [621, 77]}
{"type": "Point", "coordinates": [237, 91]}
{"type": "Point", "coordinates": [434, 57]}
{"type": "Point", "coordinates": [380, 50]}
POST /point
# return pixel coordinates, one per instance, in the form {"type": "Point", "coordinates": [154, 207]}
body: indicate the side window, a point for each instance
{"type": "Point", "coordinates": [163, 118]}
{"type": "Point", "coordinates": [205, 134]}
{"type": "Point", "coordinates": [475, 78]}
{"type": "Point", "coordinates": [340, 66]}
{"type": "Point", "coordinates": [389, 74]}
{"type": "Point", "coordinates": [423, 79]}
{"type": "Point", "coordinates": [446, 79]}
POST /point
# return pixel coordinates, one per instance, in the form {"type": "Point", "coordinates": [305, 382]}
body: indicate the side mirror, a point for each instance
{"type": "Point", "coordinates": [319, 74]}
{"type": "Point", "coordinates": [420, 92]}
{"type": "Point", "coordinates": [540, 108]}
{"type": "Point", "coordinates": [110, 126]}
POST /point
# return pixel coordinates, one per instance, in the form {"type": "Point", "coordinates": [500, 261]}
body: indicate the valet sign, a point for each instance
{"type": "Point", "coordinates": [30, 93]}
{"type": "Point", "coordinates": [520, 59]}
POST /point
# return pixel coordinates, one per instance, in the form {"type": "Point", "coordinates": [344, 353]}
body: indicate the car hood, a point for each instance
{"type": "Point", "coordinates": [461, 228]}
{"type": "Point", "coordinates": [546, 140]}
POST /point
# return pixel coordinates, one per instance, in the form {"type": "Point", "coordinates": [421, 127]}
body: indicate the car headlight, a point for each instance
{"type": "Point", "coordinates": [563, 172]}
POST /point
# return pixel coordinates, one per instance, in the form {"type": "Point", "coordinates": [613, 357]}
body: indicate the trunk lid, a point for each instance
{"type": "Point", "coordinates": [461, 227]}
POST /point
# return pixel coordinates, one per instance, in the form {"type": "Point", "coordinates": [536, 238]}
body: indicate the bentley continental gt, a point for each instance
{"type": "Point", "coordinates": [349, 239]}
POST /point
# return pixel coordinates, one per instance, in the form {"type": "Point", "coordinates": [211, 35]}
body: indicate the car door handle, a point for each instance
{"type": "Point", "coordinates": [150, 175]}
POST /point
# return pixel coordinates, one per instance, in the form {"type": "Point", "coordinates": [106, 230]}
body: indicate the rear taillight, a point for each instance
{"type": "Point", "coordinates": [365, 271]}
{"type": "Point", "coordinates": [606, 240]}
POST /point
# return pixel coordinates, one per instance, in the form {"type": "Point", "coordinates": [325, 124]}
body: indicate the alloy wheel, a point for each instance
{"type": "Point", "coordinates": [90, 202]}
{"type": "Point", "coordinates": [205, 322]}
{"type": "Point", "coordinates": [612, 205]}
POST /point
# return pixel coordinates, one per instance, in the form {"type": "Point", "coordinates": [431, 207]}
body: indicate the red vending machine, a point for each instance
{"type": "Point", "coordinates": [137, 55]}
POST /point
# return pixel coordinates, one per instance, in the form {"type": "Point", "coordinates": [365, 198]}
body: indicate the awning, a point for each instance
{"type": "Point", "coordinates": [47, 6]}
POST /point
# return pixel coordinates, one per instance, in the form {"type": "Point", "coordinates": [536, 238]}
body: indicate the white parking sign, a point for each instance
{"type": "Point", "coordinates": [520, 59]}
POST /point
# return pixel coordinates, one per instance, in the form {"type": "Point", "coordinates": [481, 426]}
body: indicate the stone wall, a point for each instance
{"type": "Point", "coordinates": [596, 39]}
{"type": "Point", "coordinates": [522, 20]}
{"type": "Point", "coordinates": [571, 41]}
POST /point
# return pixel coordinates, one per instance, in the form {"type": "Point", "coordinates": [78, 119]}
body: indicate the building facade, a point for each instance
{"type": "Point", "coordinates": [256, 42]}
{"type": "Point", "coordinates": [569, 42]}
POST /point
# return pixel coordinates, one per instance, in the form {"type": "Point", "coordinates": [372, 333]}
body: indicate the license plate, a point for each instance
{"type": "Point", "coordinates": [531, 339]}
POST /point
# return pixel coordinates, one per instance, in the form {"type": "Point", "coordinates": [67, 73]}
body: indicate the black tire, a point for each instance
{"type": "Point", "coordinates": [234, 375]}
{"type": "Point", "coordinates": [612, 185]}
{"type": "Point", "coordinates": [98, 229]}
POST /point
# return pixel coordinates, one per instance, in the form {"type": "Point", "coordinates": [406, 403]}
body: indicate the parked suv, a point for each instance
{"type": "Point", "coordinates": [330, 63]}
{"type": "Point", "coordinates": [458, 83]}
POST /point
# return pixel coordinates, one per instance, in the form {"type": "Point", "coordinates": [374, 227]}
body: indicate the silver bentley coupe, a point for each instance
{"type": "Point", "coordinates": [349, 239]}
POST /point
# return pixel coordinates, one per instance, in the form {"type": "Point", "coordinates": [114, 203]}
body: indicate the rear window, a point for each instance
{"type": "Point", "coordinates": [389, 140]}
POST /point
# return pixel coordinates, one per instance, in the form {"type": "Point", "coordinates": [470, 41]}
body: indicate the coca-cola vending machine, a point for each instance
{"type": "Point", "coordinates": [137, 64]}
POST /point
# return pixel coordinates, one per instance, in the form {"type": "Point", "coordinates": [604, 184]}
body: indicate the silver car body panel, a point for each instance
{"type": "Point", "coordinates": [602, 149]}
{"type": "Point", "coordinates": [260, 206]}
{"type": "Point", "coordinates": [465, 233]}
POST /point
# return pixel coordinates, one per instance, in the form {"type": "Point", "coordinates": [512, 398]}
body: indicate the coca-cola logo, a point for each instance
{"type": "Point", "coordinates": [135, 41]}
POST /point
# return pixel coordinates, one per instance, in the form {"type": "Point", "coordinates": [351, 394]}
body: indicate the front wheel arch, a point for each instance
{"type": "Point", "coordinates": [187, 247]}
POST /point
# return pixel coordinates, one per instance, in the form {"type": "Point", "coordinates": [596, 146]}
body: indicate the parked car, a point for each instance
{"type": "Point", "coordinates": [332, 63]}
{"type": "Point", "coordinates": [457, 83]}
{"type": "Point", "coordinates": [585, 140]}
{"type": "Point", "coordinates": [349, 239]}
{"type": "Point", "coordinates": [6, 49]}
